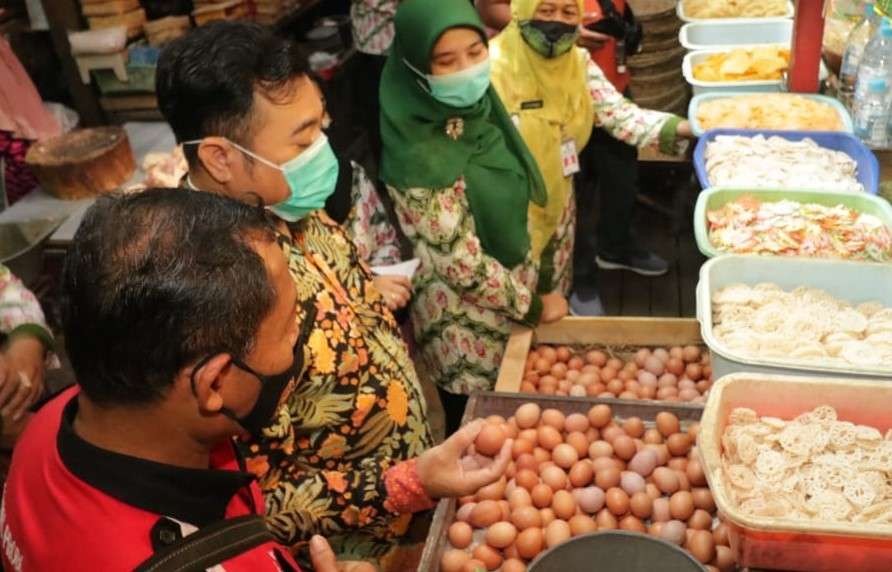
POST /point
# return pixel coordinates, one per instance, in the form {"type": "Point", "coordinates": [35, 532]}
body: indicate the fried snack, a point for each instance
{"type": "Point", "coordinates": [708, 9]}
{"type": "Point", "coordinates": [780, 111]}
{"type": "Point", "coordinates": [758, 64]}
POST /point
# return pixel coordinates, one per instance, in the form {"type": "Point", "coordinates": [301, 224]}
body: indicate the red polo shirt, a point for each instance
{"type": "Point", "coordinates": [605, 56]}
{"type": "Point", "coordinates": [71, 506]}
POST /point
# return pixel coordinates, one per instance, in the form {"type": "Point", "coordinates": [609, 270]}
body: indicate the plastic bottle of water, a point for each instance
{"type": "Point", "coordinates": [872, 103]}
{"type": "Point", "coordinates": [851, 59]}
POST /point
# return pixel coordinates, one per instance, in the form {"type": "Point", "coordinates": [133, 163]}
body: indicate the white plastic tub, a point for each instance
{"type": "Point", "coordinates": [854, 282]}
{"type": "Point", "coordinates": [750, 86]}
{"type": "Point", "coordinates": [709, 34]}
{"type": "Point", "coordinates": [679, 9]}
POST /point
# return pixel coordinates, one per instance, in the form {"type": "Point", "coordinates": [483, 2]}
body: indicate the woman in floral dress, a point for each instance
{"type": "Point", "coordinates": [461, 180]}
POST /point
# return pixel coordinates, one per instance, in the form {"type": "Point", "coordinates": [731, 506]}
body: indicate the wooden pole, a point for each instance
{"type": "Point", "coordinates": [805, 57]}
{"type": "Point", "coordinates": [64, 16]}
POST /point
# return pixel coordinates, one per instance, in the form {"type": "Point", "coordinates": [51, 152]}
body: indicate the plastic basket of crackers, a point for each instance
{"type": "Point", "coordinates": [742, 69]}
{"type": "Point", "coordinates": [724, 10]}
{"type": "Point", "coordinates": [799, 468]}
{"type": "Point", "coordinates": [775, 111]}
{"type": "Point", "coordinates": [803, 316]}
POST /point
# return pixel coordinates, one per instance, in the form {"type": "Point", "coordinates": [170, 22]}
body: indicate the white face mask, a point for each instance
{"type": "Point", "coordinates": [460, 89]}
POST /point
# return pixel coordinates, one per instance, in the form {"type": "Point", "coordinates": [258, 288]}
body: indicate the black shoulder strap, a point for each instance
{"type": "Point", "coordinates": [210, 546]}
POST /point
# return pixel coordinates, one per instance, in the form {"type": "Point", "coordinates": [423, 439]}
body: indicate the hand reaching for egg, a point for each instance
{"type": "Point", "coordinates": [450, 470]}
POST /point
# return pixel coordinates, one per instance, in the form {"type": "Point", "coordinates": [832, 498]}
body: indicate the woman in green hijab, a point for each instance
{"type": "Point", "coordinates": [462, 180]}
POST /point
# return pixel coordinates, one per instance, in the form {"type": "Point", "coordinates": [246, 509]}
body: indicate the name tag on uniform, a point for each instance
{"type": "Point", "coordinates": [569, 158]}
{"type": "Point", "coordinates": [535, 104]}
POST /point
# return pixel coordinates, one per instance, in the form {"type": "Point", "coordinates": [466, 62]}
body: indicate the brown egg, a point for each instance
{"type": "Point", "coordinates": [603, 463]}
{"type": "Point", "coordinates": [641, 505]}
{"type": "Point", "coordinates": [519, 497]}
{"type": "Point", "coordinates": [599, 416]}
{"type": "Point", "coordinates": [541, 496]}
{"type": "Point", "coordinates": [582, 524]}
{"type": "Point", "coordinates": [634, 427]}
{"type": "Point", "coordinates": [679, 444]}
{"type": "Point", "coordinates": [600, 449]}
{"type": "Point", "coordinates": [554, 418]}
{"type": "Point", "coordinates": [702, 546]}
{"type": "Point", "coordinates": [596, 358]}
{"type": "Point", "coordinates": [644, 462]}
{"type": "Point", "coordinates": [521, 447]}
{"type": "Point", "coordinates": [576, 423]}
{"type": "Point", "coordinates": [527, 479]}
{"type": "Point", "coordinates": [617, 501]}
{"type": "Point", "coordinates": [460, 534]}
{"type": "Point", "coordinates": [485, 513]}
{"type": "Point", "coordinates": [678, 463]}
{"type": "Point", "coordinates": [592, 435]}
{"type": "Point", "coordinates": [662, 452]}
{"type": "Point", "coordinates": [530, 542]}
{"type": "Point", "coordinates": [694, 371]}
{"type": "Point", "coordinates": [514, 565]}
{"type": "Point", "coordinates": [681, 505]}
{"type": "Point", "coordinates": [493, 491]}
{"type": "Point", "coordinates": [667, 423]}
{"type": "Point", "coordinates": [547, 516]}
{"type": "Point", "coordinates": [565, 456]}
{"type": "Point", "coordinates": [652, 436]}
{"type": "Point", "coordinates": [556, 533]}
{"type": "Point", "coordinates": [700, 520]}
{"type": "Point", "coordinates": [633, 524]}
{"type": "Point", "coordinates": [703, 499]}
{"type": "Point", "coordinates": [501, 535]}
{"type": "Point", "coordinates": [463, 514]}
{"type": "Point", "coordinates": [624, 447]}
{"type": "Point", "coordinates": [607, 478]}
{"type": "Point", "coordinates": [674, 366]}
{"type": "Point", "coordinates": [674, 531]}
{"type": "Point", "coordinates": [724, 559]}
{"type": "Point", "coordinates": [563, 504]}
{"type": "Point", "coordinates": [559, 370]}
{"type": "Point", "coordinates": [490, 557]}
{"type": "Point", "coordinates": [661, 512]}
{"type": "Point", "coordinates": [531, 435]}
{"type": "Point", "coordinates": [525, 517]}
{"type": "Point", "coordinates": [654, 365]}
{"type": "Point", "coordinates": [453, 560]}
{"type": "Point", "coordinates": [691, 353]}
{"type": "Point", "coordinates": [490, 439]}
{"type": "Point", "coordinates": [695, 473]}
{"type": "Point", "coordinates": [576, 363]}
{"type": "Point", "coordinates": [542, 366]}
{"type": "Point", "coordinates": [666, 480]}
{"type": "Point", "coordinates": [683, 483]}
{"type": "Point", "coordinates": [506, 510]}
{"type": "Point", "coordinates": [549, 437]}
{"type": "Point", "coordinates": [606, 521]}
{"type": "Point", "coordinates": [720, 535]}
{"type": "Point", "coordinates": [579, 442]}
{"type": "Point", "coordinates": [615, 386]}
{"type": "Point", "coordinates": [655, 529]}
{"type": "Point", "coordinates": [652, 491]}
{"type": "Point", "coordinates": [554, 477]}
{"type": "Point", "coordinates": [581, 474]}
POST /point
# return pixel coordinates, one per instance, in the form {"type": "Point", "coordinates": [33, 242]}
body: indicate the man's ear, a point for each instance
{"type": "Point", "coordinates": [217, 156]}
{"type": "Point", "coordinates": [209, 381]}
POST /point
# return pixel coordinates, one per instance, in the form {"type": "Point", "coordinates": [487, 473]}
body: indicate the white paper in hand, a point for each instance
{"type": "Point", "coordinates": [407, 269]}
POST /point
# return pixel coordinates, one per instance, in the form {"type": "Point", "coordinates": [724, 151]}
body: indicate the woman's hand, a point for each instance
{"type": "Point", "coordinates": [396, 290]}
{"type": "Point", "coordinates": [324, 560]}
{"type": "Point", "coordinates": [684, 130]}
{"type": "Point", "coordinates": [448, 470]}
{"type": "Point", "coordinates": [22, 370]}
{"type": "Point", "coordinates": [554, 308]}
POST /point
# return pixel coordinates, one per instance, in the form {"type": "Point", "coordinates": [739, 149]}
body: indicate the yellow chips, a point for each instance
{"type": "Point", "coordinates": [764, 63]}
{"type": "Point", "coordinates": [768, 111]}
{"type": "Point", "coordinates": [705, 9]}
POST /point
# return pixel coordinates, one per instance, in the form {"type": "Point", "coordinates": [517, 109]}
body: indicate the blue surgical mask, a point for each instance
{"type": "Point", "coordinates": [311, 176]}
{"type": "Point", "coordinates": [459, 89]}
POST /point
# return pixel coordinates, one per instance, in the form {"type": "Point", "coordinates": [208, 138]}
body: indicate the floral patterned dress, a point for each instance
{"type": "Point", "coordinates": [357, 412]}
{"type": "Point", "coordinates": [464, 300]}
{"type": "Point", "coordinates": [20, 312]}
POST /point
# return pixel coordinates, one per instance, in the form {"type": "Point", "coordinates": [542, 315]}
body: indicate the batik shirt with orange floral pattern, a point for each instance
{"type": "Point", "coordinates": [357, 412]}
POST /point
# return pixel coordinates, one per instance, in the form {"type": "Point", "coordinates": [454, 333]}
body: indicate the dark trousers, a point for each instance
{"type": "Point", "coordinates": [454, 409]}
{"type": "Point", "coordinates": [368, 83]}
{"type": "Point", "coordinates": [609, 172]}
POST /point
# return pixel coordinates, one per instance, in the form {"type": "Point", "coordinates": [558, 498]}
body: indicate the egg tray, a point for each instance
{"type": "Point", "coordinates": [484, 404]}
{"type": "Point", "coordinates": [618, 336]}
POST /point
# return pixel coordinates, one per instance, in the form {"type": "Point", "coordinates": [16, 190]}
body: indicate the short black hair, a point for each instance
{"type": "Point", "coordinates": [157, 280]}
{"type": "Point", "coordinates": [205, 80]}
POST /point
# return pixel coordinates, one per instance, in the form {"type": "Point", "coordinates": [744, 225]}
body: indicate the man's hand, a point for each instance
{"type": "Point", "coordinates": [591, 40]}
{"type": "Point", "coordinates": [684, 130]}
{"type": "Point", "coordinates": [22, 379]}
{"type": "Point", "coordinates": [324, 560]}
{"type": "Point", "coordinates": [448, 470]}
{"type": "Point", "coordinates": [554, 308]}
{"type": "Point", "coordinates": [396, 290]}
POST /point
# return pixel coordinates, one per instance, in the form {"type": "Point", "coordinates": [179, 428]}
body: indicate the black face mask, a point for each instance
{"type": "Point", "coordinates": [271, 389]}
{"type": "Point", "coordinates": [549, 39]}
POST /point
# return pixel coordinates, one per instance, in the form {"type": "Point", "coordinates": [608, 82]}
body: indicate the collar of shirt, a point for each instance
{"type": "Point", "coordinates": [196, 496]}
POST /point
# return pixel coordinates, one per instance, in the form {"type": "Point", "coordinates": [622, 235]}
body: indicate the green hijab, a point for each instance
{"type": "Point", "coordinates": [500, 173]}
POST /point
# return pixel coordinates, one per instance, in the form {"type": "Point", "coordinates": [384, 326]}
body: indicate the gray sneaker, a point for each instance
{"type": "Point", "coordinates": [582, 305]}
{"type": "Point", "coordinates": [640, 262]}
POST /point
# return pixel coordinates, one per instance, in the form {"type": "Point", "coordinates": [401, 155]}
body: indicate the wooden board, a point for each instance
{"type": "Point", "coordinates": [83, 163]}
{"type": "Point", "coordinates": [592, 332]}
{"type": "Point", "coordinates": [485, 404]}
{"type": "Point", "coordinates": [109, 8]}
{"type": "Point", "coordinates": [132, 20]}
